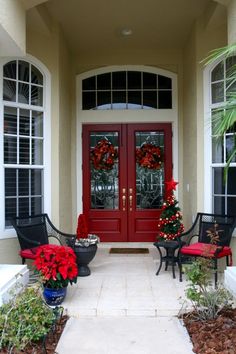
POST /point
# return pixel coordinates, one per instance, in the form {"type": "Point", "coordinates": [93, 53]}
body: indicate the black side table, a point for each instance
{"type": "Point", "coordinates": [170, 256]}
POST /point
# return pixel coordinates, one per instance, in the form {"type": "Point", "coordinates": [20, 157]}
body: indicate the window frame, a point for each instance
{"type": "Point", "coordinates": [209, 165]}
{"type": "Point", "coordinates": [46, 166]}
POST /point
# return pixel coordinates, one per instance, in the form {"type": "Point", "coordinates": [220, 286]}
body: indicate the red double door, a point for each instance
{"type": "Point", "coordinates": [123, 203]}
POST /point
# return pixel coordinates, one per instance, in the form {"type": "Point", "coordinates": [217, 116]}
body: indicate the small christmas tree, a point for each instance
{"type": "Point", "coordinates": [170, 222]}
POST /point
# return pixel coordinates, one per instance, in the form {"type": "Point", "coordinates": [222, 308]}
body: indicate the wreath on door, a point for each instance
{"type": "Point", "coordinates": [149, 156]}
{"type": "Point", "coordinates": [103, 155]}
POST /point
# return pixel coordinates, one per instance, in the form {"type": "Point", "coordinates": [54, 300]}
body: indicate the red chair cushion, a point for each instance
{"type": "Point", "coordinates": [203, 249]}
{"type": "Point", "coordinates": [29, 253]}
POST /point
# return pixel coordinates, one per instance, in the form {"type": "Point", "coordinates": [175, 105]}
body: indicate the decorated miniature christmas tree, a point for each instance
{"type": "Point", "coordinates": [170, 222]}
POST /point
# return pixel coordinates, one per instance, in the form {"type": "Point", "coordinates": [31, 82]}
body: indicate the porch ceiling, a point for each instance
{"type": "Point", "coordinates": [93, 26]}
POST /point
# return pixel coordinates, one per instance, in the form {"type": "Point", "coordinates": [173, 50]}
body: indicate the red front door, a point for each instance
{"type": "Point", "coordinates": [122, 199]}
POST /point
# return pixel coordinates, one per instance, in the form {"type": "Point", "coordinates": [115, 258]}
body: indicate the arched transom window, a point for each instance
{"type": "Point", "coordinates": [127, 90]}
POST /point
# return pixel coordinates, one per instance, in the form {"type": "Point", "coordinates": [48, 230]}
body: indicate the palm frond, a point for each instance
{"type": "Point", "coordinates": [224, 119]}
{"type": "Point", "coordinates": [218, 53]}
{"type": "Point", "coordinates": [229, 160]}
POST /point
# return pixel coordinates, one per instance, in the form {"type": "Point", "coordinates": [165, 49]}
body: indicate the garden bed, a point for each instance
{"type": "Point", "coordinates": [50, 342]}
{"type": "Point", "coordinates": [213, 336]}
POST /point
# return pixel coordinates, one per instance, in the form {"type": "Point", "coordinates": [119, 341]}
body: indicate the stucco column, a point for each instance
{"type": "Point", "coordinates": [232, 22]}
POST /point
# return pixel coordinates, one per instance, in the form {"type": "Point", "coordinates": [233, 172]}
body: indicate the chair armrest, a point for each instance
{"type": "Point", "coordinates": [218, 250]}
{"type": "Point", "coordinates": [57, 238]}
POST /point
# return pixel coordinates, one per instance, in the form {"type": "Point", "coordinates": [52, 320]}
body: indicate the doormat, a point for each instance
{"type": "Point", "coordinates": [129, 250]}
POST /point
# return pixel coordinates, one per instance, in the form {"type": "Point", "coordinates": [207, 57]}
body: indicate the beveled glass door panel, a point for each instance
{"type": "Point", "coordinates": [149, 181]}
{"type": "Point", "coordinates": [104, 182]}
{"type": "Point", "coordinates": [123, 201]}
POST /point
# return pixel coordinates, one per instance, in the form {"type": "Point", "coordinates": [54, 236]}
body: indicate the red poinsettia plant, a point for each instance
{"type": "Point", "coordinates": [57, 265]}
{"type": "Point", "coordinates": [149, 156]}
{"type": "Point", "coordinates": [103, 155]}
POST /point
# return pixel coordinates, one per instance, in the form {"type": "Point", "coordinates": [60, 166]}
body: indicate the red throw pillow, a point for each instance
{"type": "Point", "coordinates": [82, 228]}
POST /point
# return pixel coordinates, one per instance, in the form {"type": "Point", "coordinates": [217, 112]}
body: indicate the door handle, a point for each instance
{"type": "Point", "coordinates": [130, 202]}
{"type": "Point", "coordinates": [123, 202]}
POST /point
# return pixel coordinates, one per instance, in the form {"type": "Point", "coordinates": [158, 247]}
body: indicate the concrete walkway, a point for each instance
{"type": "Point", "coordinates": [123, 307]}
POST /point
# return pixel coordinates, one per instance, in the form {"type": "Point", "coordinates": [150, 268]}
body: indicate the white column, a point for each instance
{"type": "Point", "coordinates": [232, 22]}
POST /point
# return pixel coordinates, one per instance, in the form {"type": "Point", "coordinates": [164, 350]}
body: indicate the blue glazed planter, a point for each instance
{"type": "Point", "coordinates": [54, 297]}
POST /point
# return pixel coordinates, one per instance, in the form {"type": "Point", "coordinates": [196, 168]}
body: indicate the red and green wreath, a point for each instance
{"type": "Point", "coordinates": [149, 156]}
{"type": "Point", "coordinates": [103, 155]}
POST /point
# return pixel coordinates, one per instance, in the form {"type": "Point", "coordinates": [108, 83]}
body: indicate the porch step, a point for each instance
{"type": "Point", "coordinates": [230, 280]}
{"type": "Point", "coordinates": [13, 278]}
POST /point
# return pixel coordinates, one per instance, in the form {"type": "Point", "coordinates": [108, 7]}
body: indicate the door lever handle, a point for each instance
{"type": "Point", "coordinates": [131, 201]}
{"type": "Point", "coordinates": [123, 201]}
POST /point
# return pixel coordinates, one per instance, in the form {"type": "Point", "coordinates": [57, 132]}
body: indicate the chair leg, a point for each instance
{"type": "Point", "coordinates": [158, 270]}
{"type": "Point", "coordinates": [23, 260]}
{"type": "Point", "coordinates": [227, 261]}
{"type": "Point", "coordinates": [180, 267]}
{"type": "Point", "coordinates": [166, 265]}
{"type": "Point", "coordinates": [215, 271]}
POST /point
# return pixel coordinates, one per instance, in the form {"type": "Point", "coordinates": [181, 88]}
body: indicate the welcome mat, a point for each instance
{"type": "Point", "coordinates": [117, 250]}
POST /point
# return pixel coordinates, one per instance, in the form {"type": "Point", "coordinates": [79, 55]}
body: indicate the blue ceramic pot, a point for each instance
{"type": "Point", "coordinates": [54, 297]}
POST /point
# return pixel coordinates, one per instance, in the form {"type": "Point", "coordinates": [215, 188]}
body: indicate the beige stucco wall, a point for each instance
{"type": "Point", "coordinates": [231, 9]}
{"type": "Point", "coordinates": [65, 109]}
{"type": "Point", "coordinates": [12, 28]}
{"type": "Point", "coordinates": [52, 51]}
{"type": "Point", "coordinates": [204, 37]}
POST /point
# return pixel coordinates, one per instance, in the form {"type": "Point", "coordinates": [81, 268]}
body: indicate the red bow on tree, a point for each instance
{"type": "Point", "coordinates": [82, 228]}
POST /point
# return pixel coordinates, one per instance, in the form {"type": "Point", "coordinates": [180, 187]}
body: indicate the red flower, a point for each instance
{"type": "Point", "coordinates": [57, 265]}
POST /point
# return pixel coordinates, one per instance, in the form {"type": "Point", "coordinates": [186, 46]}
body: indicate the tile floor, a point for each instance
{"type": "Point", "coordinates": [125, 285]}
{"type": "Point", "coordinates": [123, 307]}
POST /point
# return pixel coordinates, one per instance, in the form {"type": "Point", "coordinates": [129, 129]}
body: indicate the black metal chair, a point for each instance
{"type": "Point", "coordinates": [224, 224]}
{"type": "Point", "coordinates": [34, 231]}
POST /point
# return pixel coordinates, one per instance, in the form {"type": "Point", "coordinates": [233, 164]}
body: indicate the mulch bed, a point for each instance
{"type": "Point", "coordinates": [50, 344]}
{"type": "Point", "coordinates": [213, 336]}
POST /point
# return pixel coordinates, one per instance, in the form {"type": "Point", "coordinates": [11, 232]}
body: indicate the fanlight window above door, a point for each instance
{"type": "Point", "coordinates": [127, 90]}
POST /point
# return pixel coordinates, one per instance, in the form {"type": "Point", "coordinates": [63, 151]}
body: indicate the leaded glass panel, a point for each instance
{"type": "Point", "coordinates": [149, 182]}
{"type": "Point", "coordinates": [104, 183]}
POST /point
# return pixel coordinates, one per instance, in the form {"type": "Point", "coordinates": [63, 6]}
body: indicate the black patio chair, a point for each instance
{"type": "Point", "coordinates": [34, 231]}
{"type": "Point", "coordinates": [202, 247]}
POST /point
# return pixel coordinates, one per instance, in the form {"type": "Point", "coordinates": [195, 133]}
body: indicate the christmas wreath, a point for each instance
{"type": "Point", "coordinates": [103, 155]}
{"type": "Point", "coordinates": [149, 156]}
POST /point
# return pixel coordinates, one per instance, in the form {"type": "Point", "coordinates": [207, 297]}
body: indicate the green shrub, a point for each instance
{"type": "Point", "coordinates": [25, 319]}
{"type": "Point", "coordinates": [206, 300]}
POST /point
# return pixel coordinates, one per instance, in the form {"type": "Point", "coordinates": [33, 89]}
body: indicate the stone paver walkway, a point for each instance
{"type": "Point", "coordinates": [123, 307]}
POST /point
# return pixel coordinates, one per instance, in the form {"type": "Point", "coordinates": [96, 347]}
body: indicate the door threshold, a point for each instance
{"type": "Point", "coordinates": [125, 244]}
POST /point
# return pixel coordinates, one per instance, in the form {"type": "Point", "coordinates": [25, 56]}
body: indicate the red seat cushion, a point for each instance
{"type": "Point", "coordinates": [29, 253]}
{"type": "Point", "coordinates": [203, 249]}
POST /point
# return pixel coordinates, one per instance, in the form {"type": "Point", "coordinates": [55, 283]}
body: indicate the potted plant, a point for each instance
{"type": "Point", "coordinates": [85, 246]}
{"type": "Point", "coordinates": [57, 267]}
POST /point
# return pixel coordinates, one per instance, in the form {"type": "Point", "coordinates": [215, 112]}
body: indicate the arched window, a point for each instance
{"type": "Point", "coordinates": [127, 90]}
{"type": "Point", "coordinates": [24, 139]}
{"type": "Point", "coordinates": [223, 192]}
